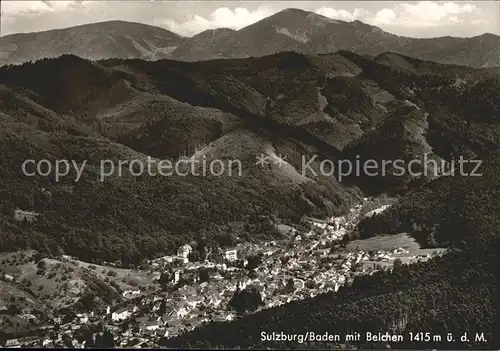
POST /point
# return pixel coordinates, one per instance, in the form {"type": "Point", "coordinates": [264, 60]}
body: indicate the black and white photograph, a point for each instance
{"type": "Point", "coordinates": [250, 174]}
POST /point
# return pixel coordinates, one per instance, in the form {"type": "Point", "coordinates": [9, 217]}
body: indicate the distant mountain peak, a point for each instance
{"type": "Point", "coordinates": [101, 40]}
{"type": "Point", "coordinates": [294, 10]}
{"type": "Point", "coordinates": [287, 14]}
{"type": "Point", "coordinates": [291, 29]}
{"type": "Point", "coordinates": [489, 35]}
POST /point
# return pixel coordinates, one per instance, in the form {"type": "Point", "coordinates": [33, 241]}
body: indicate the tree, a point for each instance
{"type": "Point", "coordinates": [201, 244]}
{"type": "Point", "coordinates": [163, 307]}
{"type": "Point", "coordinates": [67, 341]}
{"type": "Point", "coordinates": [41, 264]}
{"type": "Point", "coordinates": [254, 261]}
{"type": "Point", "coordinates": [144, 264]}
{"type": "Point", "coordinates": [247, 300]}
{"type": "Point", "coordinates": [8, 208]}
{"type": "Point", "coordinates": [105, 341]}
{"type": "Point", "coordinates": [290, 285]}
{"type": "Point", "coordinates": [345, 240]}
{"type": "Point", "coordinates": [252, 274]}
{"type": "Point", "coordinates": [194, 256]}
{"type": "Point", "coordinates": [204, 275]}
{"type": "Point", "coordinates": [165, 278]}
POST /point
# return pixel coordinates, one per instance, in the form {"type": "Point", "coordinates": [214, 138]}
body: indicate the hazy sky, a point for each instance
{"type": "Point", "coordinates": [414, 19]}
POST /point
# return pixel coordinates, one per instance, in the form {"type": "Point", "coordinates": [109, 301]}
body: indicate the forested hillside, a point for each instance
{"type": "Point", "coordinates": [73, 112]}
{"type": "Point", "coordinates": [287, 104]}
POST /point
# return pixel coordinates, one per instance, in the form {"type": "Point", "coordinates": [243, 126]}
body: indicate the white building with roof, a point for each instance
{"type": "Point", "coordinates": [231, 254]}
{"type": "Point", "coordinates": [21, 215]}
{"type": "Point", "coordinates": [184, 251]}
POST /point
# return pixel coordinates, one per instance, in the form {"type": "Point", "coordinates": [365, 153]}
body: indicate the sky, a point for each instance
{"type": "Point", "coordinates": [421, 19]}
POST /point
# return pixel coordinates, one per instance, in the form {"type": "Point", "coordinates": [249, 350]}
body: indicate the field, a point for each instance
{"type": "Point", "coordinates": [62, 282]}
{"type": "Point", "coordinates": [386, 243]}
{"type": "Point", "coordinates": [391, 242]}
{"type": "Point", "coordinates": [127, 279]}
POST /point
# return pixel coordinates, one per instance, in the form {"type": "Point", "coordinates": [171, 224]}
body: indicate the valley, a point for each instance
{"type": "Point", "coordinates": [212, 261]}
{"type": "Point", "coordinates": [162, 299]}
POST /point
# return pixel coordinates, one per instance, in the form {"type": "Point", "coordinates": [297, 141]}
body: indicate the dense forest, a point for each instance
{"type": "Point", "coordinates": [146, 217]}
{"type": "Point", "coordinates": [50, 111]}
{"type": "Point", "coordinates": [453, 210]}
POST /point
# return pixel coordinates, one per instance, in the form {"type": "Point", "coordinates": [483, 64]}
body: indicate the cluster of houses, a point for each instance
{"type": "Point", "coordinates": [183, 253]}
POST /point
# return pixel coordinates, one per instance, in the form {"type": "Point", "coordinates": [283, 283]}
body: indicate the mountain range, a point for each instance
{"type": "Point", "coordinates": [288, 30]}
{"type": "Point", "coordinates": [336, 106]}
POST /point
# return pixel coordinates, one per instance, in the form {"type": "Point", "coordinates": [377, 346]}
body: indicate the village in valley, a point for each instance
{"type": "Point", "coordinates": [187, 290]}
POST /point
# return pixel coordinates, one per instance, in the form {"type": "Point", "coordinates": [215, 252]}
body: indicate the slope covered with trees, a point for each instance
{"type": "Point", "coordinates": [69, 108]}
